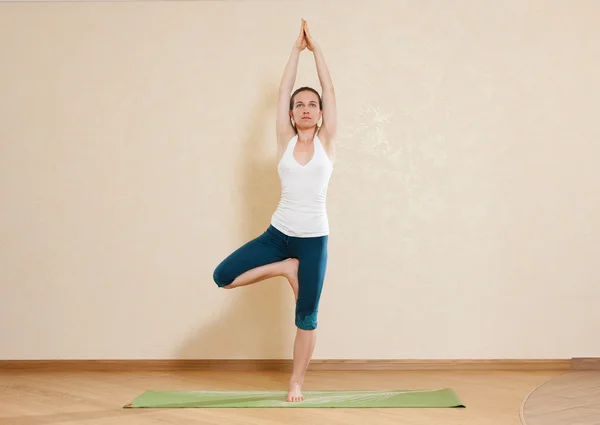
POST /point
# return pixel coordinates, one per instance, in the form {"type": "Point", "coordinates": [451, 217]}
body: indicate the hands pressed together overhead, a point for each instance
{"type": "Point", "coordinates": [305, 40]}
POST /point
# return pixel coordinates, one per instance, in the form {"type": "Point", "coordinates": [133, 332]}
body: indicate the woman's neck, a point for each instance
{"type": "Point", "coordinates": [307, 136]}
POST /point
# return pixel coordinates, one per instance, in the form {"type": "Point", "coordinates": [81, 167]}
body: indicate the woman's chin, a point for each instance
{"type": "Point", "coordinates": [305, 125]}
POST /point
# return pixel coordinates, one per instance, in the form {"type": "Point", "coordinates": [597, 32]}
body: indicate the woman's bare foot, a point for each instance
{"type": "Point", "coordinates": [291, 273]}
{"type": "Point", "coordinates": [295, 393]}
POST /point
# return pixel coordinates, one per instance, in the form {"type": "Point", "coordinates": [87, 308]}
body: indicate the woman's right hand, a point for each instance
{"type": "Point", "coordinates": [301, 40]}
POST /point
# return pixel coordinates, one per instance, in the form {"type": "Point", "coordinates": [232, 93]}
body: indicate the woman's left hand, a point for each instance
{"type": "Point", "coordinates": [310, 43]}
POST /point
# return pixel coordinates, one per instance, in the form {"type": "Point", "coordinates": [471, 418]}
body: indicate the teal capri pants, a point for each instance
{"type": "Point", "coordinates": [273, 246]}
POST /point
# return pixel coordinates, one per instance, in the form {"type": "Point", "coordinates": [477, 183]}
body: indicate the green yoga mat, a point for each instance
{"type": "Point", "coordinates": [444, 397]}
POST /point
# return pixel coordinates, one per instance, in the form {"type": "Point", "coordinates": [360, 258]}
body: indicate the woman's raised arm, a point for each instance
{"type": "Point", "coordinates": [284, 128]}
{"type": "Point", "coordinates": [329, 127]}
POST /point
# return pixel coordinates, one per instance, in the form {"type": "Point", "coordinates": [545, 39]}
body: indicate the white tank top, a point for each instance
{"type": "Point", "coordinates": [302, 210]}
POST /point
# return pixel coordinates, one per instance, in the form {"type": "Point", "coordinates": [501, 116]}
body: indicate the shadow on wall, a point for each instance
{"type": "Point", "coordinates": [254, 319]}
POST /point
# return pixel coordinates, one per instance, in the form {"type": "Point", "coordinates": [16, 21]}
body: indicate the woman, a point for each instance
{"type": "Point", "coordinates": [295, 243]}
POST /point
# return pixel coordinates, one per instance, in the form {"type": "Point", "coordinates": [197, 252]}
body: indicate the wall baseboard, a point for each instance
{"type": "Point", "coordinates": [286, 365]}
{"type": "Point", "coordinates": [586, 363]}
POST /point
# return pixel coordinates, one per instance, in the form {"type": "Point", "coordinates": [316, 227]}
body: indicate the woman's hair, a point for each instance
{"type": "Point", "coordinates": [301, 89]}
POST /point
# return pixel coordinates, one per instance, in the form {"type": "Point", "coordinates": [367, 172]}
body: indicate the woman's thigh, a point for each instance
{"type": "Point", "coordinates": [267, 248]}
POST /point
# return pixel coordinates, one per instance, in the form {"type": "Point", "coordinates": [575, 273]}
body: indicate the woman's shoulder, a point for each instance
{"type": "Point", "coordinates": [285, 137]}
{"type": "Point", "coordinates": [327, 143]}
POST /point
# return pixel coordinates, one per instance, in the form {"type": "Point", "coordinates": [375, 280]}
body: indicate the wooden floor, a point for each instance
{"type": "Point", "coordinates": [572, 398]}
{"type": "Point", "coordinates": [39, 398]}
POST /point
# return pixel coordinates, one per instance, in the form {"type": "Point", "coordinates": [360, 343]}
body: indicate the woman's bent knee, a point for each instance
{"type": "Point", "coordinates": [219, 280]}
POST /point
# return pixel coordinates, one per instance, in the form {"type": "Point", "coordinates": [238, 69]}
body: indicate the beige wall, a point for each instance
{"type": "Point", "coordinates": [137, 151]}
